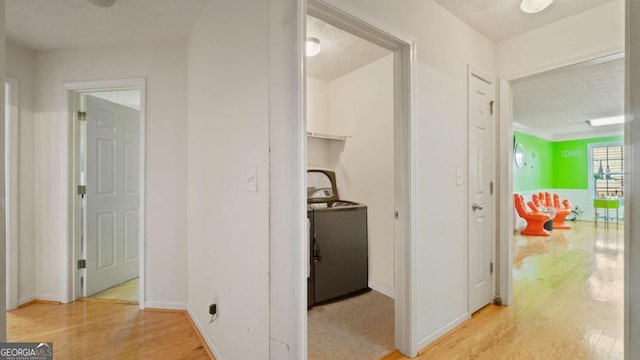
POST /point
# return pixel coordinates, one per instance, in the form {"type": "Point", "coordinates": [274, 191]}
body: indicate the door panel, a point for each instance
{"type": "Point", "coordinates": [112, 197]}
{"type": "Point", "coordinates": [481, 217]}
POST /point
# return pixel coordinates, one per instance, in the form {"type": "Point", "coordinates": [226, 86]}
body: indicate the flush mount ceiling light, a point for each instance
{"type": "Point", "coordinates": [534, 6]}
{"type": "Point", "coordinates": [103, 3]}
{"type": "Point", "coordinates": [313, 46]}
{"type": "Point", "coordinates": [613, 120]}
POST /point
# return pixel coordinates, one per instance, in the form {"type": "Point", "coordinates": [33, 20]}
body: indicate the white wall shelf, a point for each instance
{"type": "Point", "coordinates": [327, 136]}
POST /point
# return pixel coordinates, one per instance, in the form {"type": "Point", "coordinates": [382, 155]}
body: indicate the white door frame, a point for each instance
{"type": "Point", "coordinates": [346, 17]}
{"type": "Point", "coordinates": [11, 189]}
{"type": "Point", "coordinates": [73, 160]}
{"type": "Point", "coordinates": [504, 249]}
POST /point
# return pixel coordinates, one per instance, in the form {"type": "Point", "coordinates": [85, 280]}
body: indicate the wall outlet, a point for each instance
{"type": "Point", "coordinates": [213, 309]}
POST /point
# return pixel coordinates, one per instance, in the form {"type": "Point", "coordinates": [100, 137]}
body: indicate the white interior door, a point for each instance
{"type": "Point", "coordinates": [112, 195]}
{"type": "Point", "coordinates": [481, 215]}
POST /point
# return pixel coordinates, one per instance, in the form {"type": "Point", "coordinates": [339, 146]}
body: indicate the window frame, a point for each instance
{"type": "Point", "coordinates": [590, 179]}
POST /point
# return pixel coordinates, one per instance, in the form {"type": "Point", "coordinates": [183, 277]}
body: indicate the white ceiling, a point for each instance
{"type": "Point", "coordinates": [555, 103]}
{"type": "Point", "coordinates": [501, 19]}
{"type": "Point", "coordinates": [56, 24]}
{"type": "Point", "coordinates": [128, 98]}
{"type": "Point", "coordinates": [341, 52]}
{"type": "Point", "coordinates": [558, 102]}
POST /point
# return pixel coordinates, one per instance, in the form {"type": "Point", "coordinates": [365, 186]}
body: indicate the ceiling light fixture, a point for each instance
{"type": "Point", "coordinates": [313, 46]}
{"type": "Point", "coordinates": [103, 3]}
{"type": "Point", "coordinates": [534, 6]}
{"type": "Point", "coordinates": [613, 120]}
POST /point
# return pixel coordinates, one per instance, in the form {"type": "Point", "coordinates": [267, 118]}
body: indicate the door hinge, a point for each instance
{"type": "Point", "coordinates": [82, 264]}
{"type": "Point", "coordinates": [491, 107]}
{"type": "Point", "coordinates": [396, 215]}
{"type": "Point", "coordinates": [82, 116]}
{"type": "Point", "coordinates": [82, 190]}
{"type": "Point", "coordinates": [491, 268]}
{"type": "Point", "coordinates": [491, 188]}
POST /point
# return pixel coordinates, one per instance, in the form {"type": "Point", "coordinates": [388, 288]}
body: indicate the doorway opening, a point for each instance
{"type": "Point", "coordinates": [572, 252]}
{"type": "Point", "coordinates": [396, 54]}
{"type": "Point", "coordinates": [106, 175]}
{"type": "Point", "coordinates": [350, 141]}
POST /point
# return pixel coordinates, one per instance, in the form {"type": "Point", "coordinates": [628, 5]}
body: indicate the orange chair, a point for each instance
{"type": "Point", "coordinates": [547, 200]}
{"type": "Point", "coordinates": [561, 212]}
{"type": "Point", "coordinates": [535, 219]}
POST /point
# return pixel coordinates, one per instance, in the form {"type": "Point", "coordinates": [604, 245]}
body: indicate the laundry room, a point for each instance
{"type": "Point", "coordinates": [350, 157]}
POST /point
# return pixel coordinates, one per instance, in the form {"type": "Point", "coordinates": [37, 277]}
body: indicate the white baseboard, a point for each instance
{"type": "Point", "coordinates": [26, 300]}
{"type": "Point", "coordinates": [164, 305]}
{"type": "Point", "coordinates": [47, 297]}
{"type": "Point", "coordinates": [381, 289]}
{"type": "Point", "coordinates": [204, 334]}
{"type": "Point", "coordinates": [443, 330]}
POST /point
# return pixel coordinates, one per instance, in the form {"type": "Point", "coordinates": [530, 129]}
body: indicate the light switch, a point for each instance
{"type": "Point", "coordinates": [252, 179]}
{"type": "Point", "coordinates": [458, 176]}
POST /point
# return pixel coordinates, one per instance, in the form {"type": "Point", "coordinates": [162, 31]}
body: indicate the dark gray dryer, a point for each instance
{"type": "Point", "coordinates": [337, 239]}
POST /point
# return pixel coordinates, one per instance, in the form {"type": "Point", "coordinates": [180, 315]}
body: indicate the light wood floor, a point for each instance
{"type": "Point", "coordinates": [568, 303]}
{"type": "Point", "coordinates": [127, 291]}
{"type": "Point", "coordinates": [102, 330]}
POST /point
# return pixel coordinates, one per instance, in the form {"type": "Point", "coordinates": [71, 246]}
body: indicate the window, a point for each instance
{"type": "Point", "coordinates": [608, 170]}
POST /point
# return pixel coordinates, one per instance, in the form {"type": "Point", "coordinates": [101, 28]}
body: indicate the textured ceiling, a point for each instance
{"type": "Point", "coordinates": [558, 102]}
{"type": "Point", "coordinates": [501, 19]}
{"type": "Point", "coordinates": [56, 24]}
{"type": "Point", "coordinates": [341, 52]}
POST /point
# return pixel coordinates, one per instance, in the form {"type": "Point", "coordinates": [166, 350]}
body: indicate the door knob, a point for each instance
{"type": "Point", "coordinates": [476, 207]}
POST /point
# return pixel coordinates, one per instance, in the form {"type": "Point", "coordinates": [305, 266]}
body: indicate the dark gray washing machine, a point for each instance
{"type": "Point", "coordinates": [337, 239]}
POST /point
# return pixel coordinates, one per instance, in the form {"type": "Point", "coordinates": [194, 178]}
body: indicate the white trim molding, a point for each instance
{"type": "Point", "coordinates": [381, 289]}
{"type": "Point", "coordinates": [531, 131]}
{"type": "Point", "coordinates": [204, 334]}
{"type": "Point", "coordinates": [11, 147]}
{"type": "Point", "coordinates": [443, 330]}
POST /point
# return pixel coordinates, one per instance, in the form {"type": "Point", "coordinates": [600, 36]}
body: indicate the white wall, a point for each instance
{"type": "Point", "coordinates": [318, 150]}
{"type": "Point", "coordinates": [19, 65]}
{"type": "Point", "coordinates": [228, 227]}
{"type": "Point", "coordinates": [445, 46]}
{"type": "Point", "coordinates": [589, 34]}
{"type": "Point", "coordinates": [164, 64]}
{"type": "Point", "coordinates": [318, 106]}
{"type": "Point", "coordinates": [361, 105]}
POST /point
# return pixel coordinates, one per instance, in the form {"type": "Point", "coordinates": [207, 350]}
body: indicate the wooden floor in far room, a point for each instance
{"type": "Point", "coordinates": [127, 291]}
{"type": "Point", "coordinates": [568, 302]}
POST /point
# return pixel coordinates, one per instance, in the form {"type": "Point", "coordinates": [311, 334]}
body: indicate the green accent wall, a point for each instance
{"type": "Point", "coordinates": [571, 162]}
{"type": "Point", "coordinates": [554, 165]}
{"type": "Point", "coordinates": [535, 173]}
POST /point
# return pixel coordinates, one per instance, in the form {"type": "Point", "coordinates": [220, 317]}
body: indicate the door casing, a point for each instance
{"type": "Point", "coordinates": [11, 192]}
{"type": "Point", "coordinates": [70, 273]}
{"type": "Point", "coordinates": [348, 18]}
{"type": "Point", "coordinates": [504, 249]}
